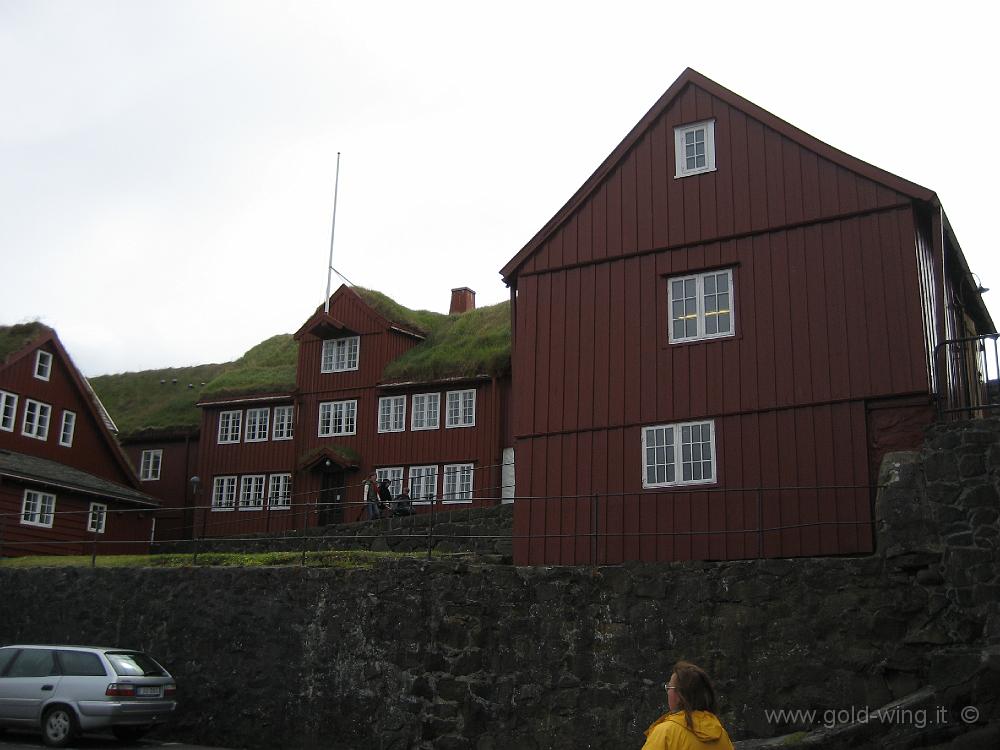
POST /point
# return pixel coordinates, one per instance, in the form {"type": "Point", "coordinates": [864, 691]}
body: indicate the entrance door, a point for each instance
{"type": "Point", "coordinates": [332, 496]}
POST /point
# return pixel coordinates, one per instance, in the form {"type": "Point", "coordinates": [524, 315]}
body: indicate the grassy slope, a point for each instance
{"type": "Point", "coordinates": [325, 559]}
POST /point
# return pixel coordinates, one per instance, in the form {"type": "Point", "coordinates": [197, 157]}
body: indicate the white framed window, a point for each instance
{"type": "Point", "coordinates": [258, 424]}
{"type": "Point", "coordinates": [67, 429]}
{"type": "Point", "coordinates": [395, 476]}
{"type": "Point", "coordinates": [426, 411]}
{"type": "Point", "coordinates": [457, 483]}
{"type": "Point", "coordinates": [149, 469]}
{"type": "Point", "coordinates": [681, 453]}
{"type": "Point", "coordinates": [284, 423]}
{"type": "Point", "coordinates": [694, 148]}
{"type": "Point", "coordinates": [36, 419]}
{"type": "Point", "coordinates": [423, 484]}
{"type": "Point", "coordinates": [230, 426]}
{"type": "Point", "coordinates": [461, 409]}
{"type": "Point", "coordinates": [340, 355]}
{"type": "Point", "coordinates": [338, 418]}
{"type": "Point", "coordinates": [43, 364]}
{"type": "Point", "coordinates": [97, 517]}
{"type": "Point", "coordinates": [701, 306]}
{"type": "Point", "coordinates": [252, 492]}
{"type": "Point", "coordinates": [38, 509]}
{"type": "Point", "coordinates": [392, 414]}
{"type": "Point", "coordinates": [8, 410]}
{"type": "Point", "coordinates": [279, 492]}
{"type": "Point", "coordinates": [224, 493]}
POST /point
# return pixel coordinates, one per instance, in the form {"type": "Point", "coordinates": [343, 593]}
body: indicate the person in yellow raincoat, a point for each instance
{"type": "Point", "coordinates": [691, 723]}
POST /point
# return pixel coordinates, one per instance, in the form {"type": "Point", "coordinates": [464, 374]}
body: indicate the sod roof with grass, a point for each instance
{"type": "Point", "coordinates": [16, 337]}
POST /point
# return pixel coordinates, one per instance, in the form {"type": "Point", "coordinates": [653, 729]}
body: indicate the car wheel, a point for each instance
{"type": "Point", "coordinates": [58, 727]}
{"type": "Point", "coordinates": [129, 734]}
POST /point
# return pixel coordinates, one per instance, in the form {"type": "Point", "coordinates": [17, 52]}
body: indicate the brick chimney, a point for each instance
{"type": "Point", "coordinates": [463, 299]}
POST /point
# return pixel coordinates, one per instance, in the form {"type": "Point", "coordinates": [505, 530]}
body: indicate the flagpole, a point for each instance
{"type": "Point", "coordinates": [333, 227]}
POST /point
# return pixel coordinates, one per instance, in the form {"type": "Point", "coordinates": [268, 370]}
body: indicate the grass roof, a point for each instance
{"type": "Point", "coordinates": [422, 321]}
{"type": "Point", "coordinates": [16, 337]}
{"type": "Point", "coordinates": [268, 367]}
{"type": "Point", "coordinates": [473, 343]}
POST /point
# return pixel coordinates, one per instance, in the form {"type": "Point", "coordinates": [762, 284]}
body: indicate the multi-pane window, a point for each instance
{"type": "Point", "coordinates": [395, 476]}
{"type": "Point", "coordinates": [257, 425]}
{"type": "Point", "coordinates": [43, 365]}
{"type": "Point", "coordinates": [338, 418]}
{"type": "Point", "coordinates": [426, 411]}
{"type": "Point", "coordinates": [67, 429]}
{"type": "Point", "coordinates": [340, 354]}
{"type": "Point", "coordinates": [678, 454]}
{"type": "Point", "coordinates": [224, 493]}
{"type": "Point", "coordinates": [279, 492]}
{"type": "Point", "coordinates": [38, 508]}
{"type": "Point", "coordinates": [457, 483]}
{"type": "Point", "coordinates": [96, 517]}
{"type": "Point", "coordinates": [8, 409]}
{"type": "Point", "coordinates": [230, 424]}
{"type": "Point", "coordinates": [284, 423]}
{"type": "Point", "coordinates": [461, 409]}
{"type": "Point", "coordinates": [694, 148]}
{"type": "Point", "coordinates": [252, 492]}
{"type": "Point", "coordinates": [149, 470]}
{"type": "Point", "coordinates": [423, 483]}
{"type": "Point", "coordinates": [36, 419]}
{"type": "Point", "coordinates": [392, 414]}
{"type": "Point", "coordinates": [701, 306]}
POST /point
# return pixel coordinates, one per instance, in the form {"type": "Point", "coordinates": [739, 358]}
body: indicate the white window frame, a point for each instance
{"type": "Point", "coordinates": [460, 417]}
{"type": "Point", "coordinates": [43, 365]}
{"type": "Point", "coordinates": [230, 425]}
{"type": "Point", "coordinates": [149, 466]}
{"type": "Point", "coordinates": [395, 476]}
{"type": "Point", "coordinates": [67, 428]}
{"type": "Point", "coordinates": [424, 406]}
{"type": "Point", "coordinates": [36, 419]}
{"type": "Point", "coordinates": [224, 493]}
{"type": "Point", "coordinates": [418, 491]}
{"type": "Point", "coordinates": [348, 417]}
{"type": "Point", "coordinates": [680, 148]}
{"type": "Point", "coordinates": [702, 316]}
{"type": "Point", "coordinates": [462, 476]}
{"type": "Point", "coordinates": [38, 509]}
{"type": "Point", "coordinates": [252, 491]}
{"type": "Point", "coordinates": [340, 355]}
{"type": "Point", "coordinates": [674, 454]}
{"type": "Point", "coordinates": [8, 410]}
{"type": "Point", "coordinates": [97, 518]}
{"type": "Point", "coordinates": [392, 413]}
{"type": "Point", "coordinates": [258, 424]}
{"type": "Point", "coordinates": [279, 492]}
{"type": "Point", "coordinates": [284, 423]}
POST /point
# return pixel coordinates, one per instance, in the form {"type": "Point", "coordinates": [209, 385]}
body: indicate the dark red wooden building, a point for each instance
{"type": "Point", "coordinates": [65, 485]}
{"type": "Point", "coordinates": [719, 335]}
{"type": "Point", "coordinates": [276, 461]}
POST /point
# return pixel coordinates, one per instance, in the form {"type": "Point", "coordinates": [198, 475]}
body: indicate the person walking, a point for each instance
{"type": "Point", "coordinates": [370, 496]}
{"type": "Point", "coordinates": [691, 722]}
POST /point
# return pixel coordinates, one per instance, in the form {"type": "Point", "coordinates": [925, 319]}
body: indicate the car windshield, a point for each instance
{"type": "Point", "coordinates": [134, 663]}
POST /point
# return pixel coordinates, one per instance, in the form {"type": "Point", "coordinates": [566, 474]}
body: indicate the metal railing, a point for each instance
{"type": "Point", "coordinates": [968, 369]}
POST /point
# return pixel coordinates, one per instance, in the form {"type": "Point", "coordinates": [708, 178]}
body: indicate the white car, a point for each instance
{"type": "Point", "coordinates": [65, 690]}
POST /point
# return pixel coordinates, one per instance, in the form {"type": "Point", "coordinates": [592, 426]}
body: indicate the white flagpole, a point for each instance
{"type": "Point", "coordinates": [333, 227]}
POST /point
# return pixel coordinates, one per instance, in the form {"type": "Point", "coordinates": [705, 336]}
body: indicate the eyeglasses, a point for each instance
{"type": "Point", "coordinates": [668, 686]}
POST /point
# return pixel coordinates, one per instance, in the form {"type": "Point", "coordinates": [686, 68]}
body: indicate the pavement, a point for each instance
{"type": "Point", "coordinates": [14, 739]}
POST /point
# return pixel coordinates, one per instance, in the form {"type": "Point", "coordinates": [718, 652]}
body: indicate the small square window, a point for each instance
{"type": "Point", "coordinates": [252, 492]}
{"type": "Point", "coordinates": [224, 493]}
{"type": "Point", "coordinates": [284, 423]}
{"type": "Point", "coordinates": [97, 517]}
{"type": "Point", "coordinates": [677, 454]}
{"type": "Point", "coordinates": [257, 425]}
{"type": "Point", "coordinates": [694, 148]}
{"type": "Point", "coordinates": [423, 484]}
{"type": "Point", "coordinates": [461, 406]}
{"type": "Point", "coordinates": [8, 410]}
{"type": "Point", "coordinates": [230, 426]}
{"type": "Point", "coordinates": [340, 355]}
{"type": "Point", "coordinates": [426, 411]}
{"type": "Point", "coordinates": [701, 306]}
{"type": "Point", "coordinates": [338, 418]}
{"type": "Point", "coordinates": [38, 509]}
{"type": "Point", "coordinates": [279, 494]}
{"type": "Point", "coordinates": [36, 419]}
{"type": "Point", "coordinates": [392, 414]}
{"type": "Point", "coordinates": [457, 483]}
{"type": "Point", "coordinates": [149, 470]}
{"type": "Point", "coordinates": [43, 365]}
{"type": "Point", "coordinates": [67, 429]}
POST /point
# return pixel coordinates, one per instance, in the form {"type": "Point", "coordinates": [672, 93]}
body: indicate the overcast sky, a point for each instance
{"type": "Point", "coordinates": [167, 168]}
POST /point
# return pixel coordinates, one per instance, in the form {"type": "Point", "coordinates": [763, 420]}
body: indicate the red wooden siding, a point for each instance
{"type": "Point", "coordinates": [179, 462]}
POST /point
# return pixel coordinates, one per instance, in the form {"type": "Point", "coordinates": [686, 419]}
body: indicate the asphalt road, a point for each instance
{"type": "Point", "coordinates": [14, 739]}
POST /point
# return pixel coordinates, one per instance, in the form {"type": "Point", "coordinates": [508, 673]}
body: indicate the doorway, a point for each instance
{"type": "Point", "coordinates": [332, 496]}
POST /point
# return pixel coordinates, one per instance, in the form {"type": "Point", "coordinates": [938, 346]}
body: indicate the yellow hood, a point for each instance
{"type": "Point", "coordinates": [705, 726]}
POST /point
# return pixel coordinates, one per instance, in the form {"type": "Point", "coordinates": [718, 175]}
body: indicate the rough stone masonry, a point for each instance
{"type": "Point", "coordinates": [413, 654]}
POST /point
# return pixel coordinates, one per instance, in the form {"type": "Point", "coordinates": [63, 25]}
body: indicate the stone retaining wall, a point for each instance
{"type": "Point", "coordinates": [412, 654]}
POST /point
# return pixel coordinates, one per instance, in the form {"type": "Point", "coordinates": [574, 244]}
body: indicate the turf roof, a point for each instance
{"type": "Point", "coordinates": [16, 337]}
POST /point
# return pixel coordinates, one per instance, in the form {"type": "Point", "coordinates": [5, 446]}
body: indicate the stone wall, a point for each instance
{"type": "Point", "coordinates": [464, 655]}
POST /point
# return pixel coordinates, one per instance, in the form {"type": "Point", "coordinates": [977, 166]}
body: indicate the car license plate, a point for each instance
{"type": "Point", "coordinates": [148, 691]}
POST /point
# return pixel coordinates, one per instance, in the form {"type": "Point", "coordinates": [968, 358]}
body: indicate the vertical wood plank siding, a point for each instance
{"type": "Point", "coordinates": [828, 314]}
{"type": "Point", "coordinates": [179, 462]}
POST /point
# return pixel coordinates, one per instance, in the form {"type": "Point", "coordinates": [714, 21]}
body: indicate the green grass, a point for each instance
{"type": "Point", "coordinates": [325, 559]}
{"type": "Point", "coordinates": [13, 338]}
{"type": "Point", "coordinates": [423, 321]}
{"type": "Point", "coordinates": [268, 367]}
